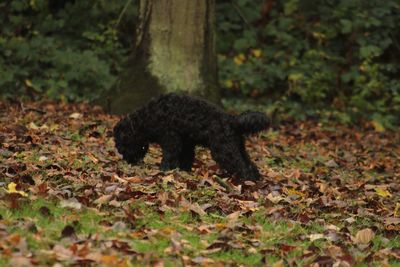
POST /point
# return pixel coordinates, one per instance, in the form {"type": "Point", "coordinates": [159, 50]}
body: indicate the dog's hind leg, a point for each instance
{"type": "Point", "coordinates": [250, 171]}
{"type": "Point", "coordinates": [228, 150]}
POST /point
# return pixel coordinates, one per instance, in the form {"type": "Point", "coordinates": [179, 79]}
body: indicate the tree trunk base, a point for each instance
{"type": "Point", "coordinates": [174, 52]}
{"type": "Point", "coordinates": [134, 87]}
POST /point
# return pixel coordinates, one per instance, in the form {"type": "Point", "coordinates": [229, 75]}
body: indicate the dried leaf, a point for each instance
{"type": "Point", "coordinates": [364, 236]}
{"type": "Point", "coordinates": [12, 188]}
{"type": "Point", "coordinates": [313, 237]}
{"type": "Point", "coordinates": [103, 199]}
{"type": "Point", "coordinates": [378, 126]}
{"type": "Point", "coordinates": [234, 216]}
{"type": "Point", "coordinates": [274, 198]}
{"type": "Point", "coordinates": [76, 116]}
{"type": "Point", "coordinates": [33, 126]}
{"type": "Point", "coordinates": [202, 260]}
{"type": "Point", "coordinates": [20, 261]}
{"type": "Point", "coordinates": [331, 163]}
{"type": "Point", "coordinates": [383, 192]}
{"type": "Point", "coordinates": [110, 260]}
{"type": "Point", "coordinates": [43, 158]}
{"type": "Point", "coordinates": [279, 263]}
{"type": "Point", "coordinates": [196, 208]}
{"type": "Point", "coordinates": [396, 210]}
{"type": "Point", "coordinates": [72, 203]}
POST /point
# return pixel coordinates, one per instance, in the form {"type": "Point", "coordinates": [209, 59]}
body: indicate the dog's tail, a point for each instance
{"type": "Point", "coordinates": [251, 122]}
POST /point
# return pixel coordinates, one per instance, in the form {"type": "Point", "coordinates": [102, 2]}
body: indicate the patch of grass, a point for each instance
{"type": "Point", "coordinates": [237, 257]}
{"type": "Point", "coordinates": [48, 219]}
{"type": "Point", "coordinates": [155, 245]}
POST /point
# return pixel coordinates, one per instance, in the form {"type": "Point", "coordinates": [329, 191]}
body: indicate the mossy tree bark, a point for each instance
{"type": "Point", "coordinates": [174, 51]}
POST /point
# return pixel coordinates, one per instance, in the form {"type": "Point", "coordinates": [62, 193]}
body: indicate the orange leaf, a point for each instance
{"type": "Point", "coordinates": [109, 259]}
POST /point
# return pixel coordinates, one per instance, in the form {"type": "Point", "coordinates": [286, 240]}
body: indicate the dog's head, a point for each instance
{"type": "Point", "coordinates": [131, 143]}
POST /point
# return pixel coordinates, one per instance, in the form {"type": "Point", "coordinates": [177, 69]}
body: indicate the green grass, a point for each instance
{"type": "Point", "coordinates": [270, 234]}
{"type": "Point", "coordinates": [50, 225]}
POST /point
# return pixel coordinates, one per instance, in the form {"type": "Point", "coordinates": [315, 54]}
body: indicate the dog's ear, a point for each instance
{"type": "Point", "coordinates": [122, 127]}
{"type": "Point", "coordinates": [122, 134]}
{"type": "Point", "coordinates": [118, 126]}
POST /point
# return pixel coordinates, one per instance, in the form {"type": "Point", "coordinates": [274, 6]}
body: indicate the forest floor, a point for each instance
{"type": "Point", "coordinates": [330, 195]}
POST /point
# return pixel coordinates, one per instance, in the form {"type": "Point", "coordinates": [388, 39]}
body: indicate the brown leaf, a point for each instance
{"type": "Point", "coordinates": [313, 237]}
{"type": "Point", "coordinates": [195, 207]}
{"type": "Point", "coordinates": [364, 236]}
{"type": "Point", "coordinates": [103, 199]}
{"type": "Point", "coordinates": [134, 179]}
{"type": "Point", "coordinates": [72, 203]}
{"type": "Point", "coordinates": [110, 260]}
{"type": "Point", "coordinates": [392, 220]}
{"type": "Point", "coordinates": [202, 260]}
{"type": "Point", "coordinates": [20, 261]}
{"type": "Point", "coordinates": [278, 264]}
{"type": "Point", "coordinates": [76, 115]}
{"type": "Point", "coordinates": [334, 251]}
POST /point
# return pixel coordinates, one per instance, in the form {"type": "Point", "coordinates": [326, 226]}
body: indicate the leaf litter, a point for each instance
{"type": "Point", "coordinates": [329, 195]}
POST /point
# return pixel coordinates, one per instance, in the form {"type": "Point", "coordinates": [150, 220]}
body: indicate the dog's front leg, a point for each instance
{"type": "Point", "coordinates": [171, 145]}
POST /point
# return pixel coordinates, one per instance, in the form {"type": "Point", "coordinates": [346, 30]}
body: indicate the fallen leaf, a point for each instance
{"type": "Point", "coordinates": [274, 198]}
{"type": "Point", "coordinates": [76, 115]}
{"type": "Point", "coordinates": [103, 199]}
{"type": "Point", "coordinates": [111, 260]}
{"type": "Point", "coordinates": [313, 237]}
{"type": "Point", "coordinates": [378, 126]}
{"type": "Point", "coordinates": [202, 260]}
{"type": "Point", "coordinates": [197, 209]}
{"type": "Point", "coordinates": [392, 220]}
{"type": "Point", "coordinates": [334, 251]}
{"type": "Point", "coordinates": [62, 253]}
{"type": "Point", "coordinates": [279, 263]}
{"type": "Point", "coordinates": [134, 179]}
{"type": "Point", "coordinates": [396, 210]}
{"type": "Point", "coordinates": [43, 158]}
{"type": "Point", "coordinates": [93, 158]}
{"type": "Point", "coordinates": [383, 192]}
{"type": "Point", "coordinates": [293, 192]}
{"type": "Point", "coordinates": [331, 163]}
{"type": "Point", "coordinates": [33, 126]}
{"type": "Point", "coordinates": [12, 188]}
{"type": "Point", "coordinates": [20, 261]}
{"type": "Point", "coordinates": [72, 203]}
{"type": "Point", "coordinates": [364, 236]}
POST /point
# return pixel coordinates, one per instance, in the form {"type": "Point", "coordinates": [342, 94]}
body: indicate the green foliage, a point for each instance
{"type": "Point", "coordinates": [62, 49]}
{"type": "Point", "coordinates": [306, 57]}
{"type": "Point", "coordinates": [339, 54]}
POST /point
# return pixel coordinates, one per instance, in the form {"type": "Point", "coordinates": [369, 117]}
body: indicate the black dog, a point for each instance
{"type": "Point", "coordinates": [178, 123]}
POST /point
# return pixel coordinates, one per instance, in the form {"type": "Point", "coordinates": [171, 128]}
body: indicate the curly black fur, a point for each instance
{"type": "Point", "coordinates": [178, 123]}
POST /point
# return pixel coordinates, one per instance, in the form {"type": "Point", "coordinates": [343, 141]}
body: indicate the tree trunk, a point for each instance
{"type": "Point", "coordinates": [174, 51]}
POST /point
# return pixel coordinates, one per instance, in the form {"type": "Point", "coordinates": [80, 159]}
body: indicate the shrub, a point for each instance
{"type": "Point", "coordinates": [340, 54]}
{"type": "Point", "coordinates": [304, 56]}
{"type": "Point", "coordinates": [62, 49]}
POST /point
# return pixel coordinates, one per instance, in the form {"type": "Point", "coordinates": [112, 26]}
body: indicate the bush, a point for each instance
{"type": "Point", "coordinates": [304, 56]}
{"type": "Point", "coordinates": [340, 54]}
{"type": "Point", "coordinates": [62, 49]}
